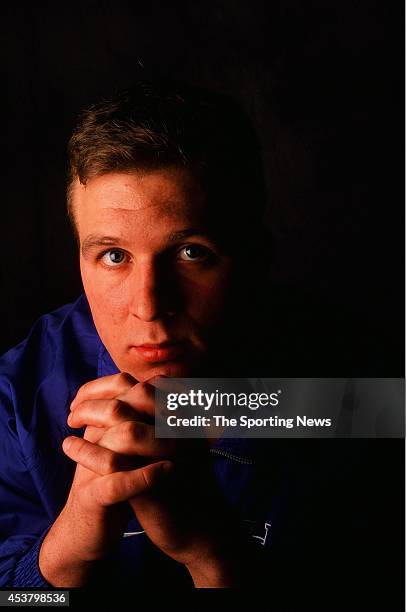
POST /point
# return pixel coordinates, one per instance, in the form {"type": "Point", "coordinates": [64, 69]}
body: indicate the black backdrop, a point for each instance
{"type": "Point", "coordinates": [320, 82]}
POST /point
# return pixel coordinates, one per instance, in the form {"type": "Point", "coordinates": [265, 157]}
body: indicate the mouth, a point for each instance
{"type": "Point", "coordinates": [156, 353]}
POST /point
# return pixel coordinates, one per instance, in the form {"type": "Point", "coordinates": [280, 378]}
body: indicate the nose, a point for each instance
{"type": "Point", "coordinates": [149, 291]}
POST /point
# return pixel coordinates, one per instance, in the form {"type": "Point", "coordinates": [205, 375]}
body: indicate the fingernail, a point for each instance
{"type": "Point", "coordinates": [67, 443]}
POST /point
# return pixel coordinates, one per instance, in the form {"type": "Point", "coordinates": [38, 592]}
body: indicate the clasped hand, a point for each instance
{"type": "Point", "coordinates": [167, 482]}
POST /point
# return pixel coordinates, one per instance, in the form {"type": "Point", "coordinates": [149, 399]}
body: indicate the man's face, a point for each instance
{"type": "Point", "coordinates": [155, 279]}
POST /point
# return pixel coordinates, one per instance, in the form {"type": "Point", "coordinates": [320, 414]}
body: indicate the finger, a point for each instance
{"type": "Point", "coordinates": [136, 438]}
{"type": "Point", "coordinates": [93, 434]}
{"type": "Point", "coordinates": [105, 387]}
{"type": "Point", "coordinates": [93, 457]}
{"type": "Point", "coordinates": [101, 413]}
{"type": "Point", "coordinates": [122, 486]}
{"type": "Point", "coordinates": [141, 397]}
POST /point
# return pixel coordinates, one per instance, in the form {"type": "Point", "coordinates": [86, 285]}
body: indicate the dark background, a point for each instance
{"type": "Point", "coordinates": [322, 83]}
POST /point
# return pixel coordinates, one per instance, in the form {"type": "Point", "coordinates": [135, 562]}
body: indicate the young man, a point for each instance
{"type": "Point", "coordinates": [163, 184]}
{"type": "Point", "coordinates": [166, 198]}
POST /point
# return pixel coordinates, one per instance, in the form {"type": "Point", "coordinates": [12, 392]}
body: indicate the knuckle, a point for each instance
{"type": "Point", "coordinates": [125, 379]}
{"type": "Point", "coordinates": [142, 387]}
{"type": "Point", "coordinates": [108, 464]}
{"type": "Point", "coordinates": [145, 389]}
{"type": "Point", "coordinates": [115, 408]}
{"type": "Point", "coordinates": [148, 389]}
{"type": "Point", "coordinates": [132, 430]}
{"type": "Point", "coordinates": [93, 434]}
{"type": "Point", "coordinates": [81, 405]}
{"type": "Point", "coordinates": [80, 448]}
{"type": "Point", "coordinates": [83, 389]}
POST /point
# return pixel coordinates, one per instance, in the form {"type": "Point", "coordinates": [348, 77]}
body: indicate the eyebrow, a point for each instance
{"type": "Point", "coordinates": [94, 241]}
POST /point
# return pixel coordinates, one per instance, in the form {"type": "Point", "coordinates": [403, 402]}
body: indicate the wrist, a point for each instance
{"type": "Point", "coordinates": [215, 571]}
{"type": "Point", "coordinates": [58, 564]}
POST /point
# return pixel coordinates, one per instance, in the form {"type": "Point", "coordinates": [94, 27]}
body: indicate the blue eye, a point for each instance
{"type": "Point", "coordinates": [113, 258]}
{"type": "Point", "coordinates": [192, 252]}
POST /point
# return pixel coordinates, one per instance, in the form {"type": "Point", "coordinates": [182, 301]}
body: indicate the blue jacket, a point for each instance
{"type": "Point", "coordinates": [319, 512]}
{"type": "Point", "coordinates": [38, 380]}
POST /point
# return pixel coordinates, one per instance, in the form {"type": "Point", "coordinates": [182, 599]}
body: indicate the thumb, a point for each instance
{"type": "Point", "coordinates": [156, 474]}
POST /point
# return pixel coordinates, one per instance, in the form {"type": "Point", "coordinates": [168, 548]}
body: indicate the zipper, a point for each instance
{"type": "Point", "coordinates": [231, 456]}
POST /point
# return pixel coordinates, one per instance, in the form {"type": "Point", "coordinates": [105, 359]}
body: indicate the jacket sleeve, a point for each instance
{"type": "Point", "coordinates": [23, 520]}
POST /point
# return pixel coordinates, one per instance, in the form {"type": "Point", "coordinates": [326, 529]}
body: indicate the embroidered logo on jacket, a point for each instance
{"type": "Point", "coordinates": [252, 529]}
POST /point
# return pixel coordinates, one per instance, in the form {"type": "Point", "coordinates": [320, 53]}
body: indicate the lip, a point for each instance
{"type": "Point", "coordinates": [155, 353]}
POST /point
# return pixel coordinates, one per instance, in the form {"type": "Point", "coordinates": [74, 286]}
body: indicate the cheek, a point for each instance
{"type": "Point", "coordinates": [106, 303]}
{"type": "Point", "coordinates": [206, 298]}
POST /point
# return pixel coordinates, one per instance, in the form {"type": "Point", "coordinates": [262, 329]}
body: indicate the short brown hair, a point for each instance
{"type": "Point", "coordinates": [157, 125]}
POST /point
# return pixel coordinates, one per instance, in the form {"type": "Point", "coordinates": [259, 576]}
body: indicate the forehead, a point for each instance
{"type": "Point", "coordinates": [137, 198]}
